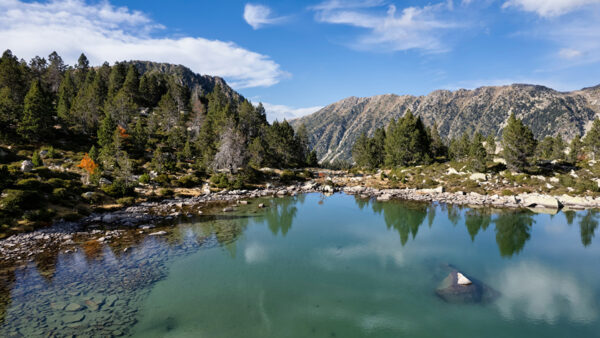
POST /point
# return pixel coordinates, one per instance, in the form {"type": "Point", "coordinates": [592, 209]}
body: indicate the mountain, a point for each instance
{"type": "Point", "coordinates": [334, 128]}
{"type": "Point", "coordinates": [198, 84]}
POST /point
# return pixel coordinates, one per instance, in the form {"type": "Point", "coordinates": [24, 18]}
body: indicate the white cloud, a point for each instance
{"type": "Point", "coordinates": [280, 112]}
{"type": "Point", "coordinates": [259, 15]}
{"type": "Point", "coordinates": [542, 294]}
{"type": "Point", "coordinates": [414, 28]}
{"type": "Point", "coordinates": [568, 53]}
{"type": "Point", "coordinates": [549, 8]}
{"type": "Point", "coordinates": [255, 253]}
{"type": "Point", "coordinates": [108, 33]}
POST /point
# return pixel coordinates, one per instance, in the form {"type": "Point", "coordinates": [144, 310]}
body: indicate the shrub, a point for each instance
{"type": "Point", "coordinates": [220, 180]}
{"type": "Point", "coordinates": [288, 176]}
{"type": "Point", "coordinates": [59, 193]}
{"type": "Point", "coordinates": [162, 179]}
{"type": "Point", "coordinates": [33, 184]}
{"type": "Point", "coordinates": [506, 192]}
{"type": "Point", "coordinates": [144, 178]}
{"type": "Point", "coordinates": [188, 181]}
{"type": "Point", "coordinates": [39, 215]}
{"type": "Point", "coordinates": [16, 200]}
{"type": "Point", "coordinates": [166, 192]}
{"type": "Point", "coordinates": [118, 189]}
{"type": "Point", "coordinates": [36, 159]}
{"type": "Point", "coordinates": [58, 182]}
{"type": "Point", "coordinates": [126, 201]}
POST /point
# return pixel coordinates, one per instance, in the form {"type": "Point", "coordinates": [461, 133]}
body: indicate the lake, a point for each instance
{"type": "Point", "coordinates": [318, 266]}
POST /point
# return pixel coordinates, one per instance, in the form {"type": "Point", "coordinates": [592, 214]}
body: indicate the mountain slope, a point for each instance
{"type": "Point", "coordinates": [334, 128]}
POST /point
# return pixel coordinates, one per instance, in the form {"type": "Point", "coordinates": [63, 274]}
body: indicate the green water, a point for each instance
{"type": "Point", "coordinates": [315, 266]}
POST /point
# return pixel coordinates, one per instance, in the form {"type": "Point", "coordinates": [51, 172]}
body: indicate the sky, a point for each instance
{"type": "Point", "coordinates": [296, 56]}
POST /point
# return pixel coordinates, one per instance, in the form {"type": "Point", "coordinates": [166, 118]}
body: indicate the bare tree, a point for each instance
{"type": "Point", "coordinates": [232, 152]}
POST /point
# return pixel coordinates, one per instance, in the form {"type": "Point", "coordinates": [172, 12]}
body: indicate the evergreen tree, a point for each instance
{"type": "Point", "coordinates": [258, 151]}
{"type": "Point", "coordinates": [592, 139]}
{"type": "Point", "coordinates": [121, 107]}
{"type": "Point", "coordinates": [9, 109]}
{"type": "Point", "coordinates": [575, 149]}
{"type": "Point", "coordinates": [66, 95]}
{"type": "Point", "coordinates": [361, 152]}
{"type": "Point", "coordinates": [438, 148]}
{"type": "Point", "coordinates": [167, 112]}
{"type": "Point", "coordinates": [93, 154]}
{"type": "Point", "coordinates": [13, 76]}
{"type": "Point", "coordinates": [518, 144]}
{"type": "Point", "coordinates": [377, 148]}
{"type": "Point", "coordinates": [36, 118]}
{"type": "Point", "coordinates": [407, 142]}
{"type": "Point", "coordinates": [54, 73]}
{"type": "Point", "coordinates": [490, 146]}
{"type": "Point", "coordinates": [82, 68]}
{"type": "Point", "coordinates": [545, 148]}
{"type": "Point", "coordinates": [477, 154]}
{"type": "Point", "coordinates": [140, 137]}
{"type": "Point", "coordinates": [106, 130]}
{"type": "Point", "coordinates": [36, 159]}
{"type": "Point", "coordinates": [312, 159]}
{"type": "Point", "coordinates": [558, 148]}
{"type": "Point", "coordinates": [116, 78]}
{"type": "Point", "coordinates": [131, 84]}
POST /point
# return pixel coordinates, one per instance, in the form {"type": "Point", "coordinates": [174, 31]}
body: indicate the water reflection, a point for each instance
{"type": "Point", "coordinates": [588, 226]}
{"type": "Point", "coordinates": [404, 217]}
{"type": "Point", "coordinates": [280, 213]}
{"type": "Point", "coordinates": [513, 229]}
{"type": "Point", "coordinates": [476, 220]}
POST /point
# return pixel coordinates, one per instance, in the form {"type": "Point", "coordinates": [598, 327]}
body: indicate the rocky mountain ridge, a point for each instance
{"type": "Point", "coordinates": [334, 128]}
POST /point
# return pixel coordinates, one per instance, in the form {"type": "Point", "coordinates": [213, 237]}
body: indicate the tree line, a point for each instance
{"type": "Point", "coordinates": [408, 142]}
{"type": "Point", "coordinates": [131, 120]}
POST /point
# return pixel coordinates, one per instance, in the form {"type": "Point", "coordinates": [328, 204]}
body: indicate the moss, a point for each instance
{"type": "Point", "coordinates": [166, 192]}
{"type": "Point", "coordinates": [188, 181]}
{"type": "Point", "coordinates": [144, 178]}
{"type": "Point", "coordinates": [16, 200]}
{"type": "Point", "coordinates": [33, 184]}
{"type": "Point", "coordinates": [126, 201]}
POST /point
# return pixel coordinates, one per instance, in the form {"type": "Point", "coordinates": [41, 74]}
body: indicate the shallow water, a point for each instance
{"type": "Point", "coordinates": [321, 266]}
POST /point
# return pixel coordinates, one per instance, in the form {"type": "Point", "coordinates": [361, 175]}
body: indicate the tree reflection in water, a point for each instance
{"type": "Point", "coordinates": [513, 230]}
{"type": "Point", "coordinates": [477, 219]}
{"type": "Point", "coordinates": [588, 226]}
{"type": "Point", "coordinates": [404, 217]}
{"type": "Point", "coordinates": [280, 214]}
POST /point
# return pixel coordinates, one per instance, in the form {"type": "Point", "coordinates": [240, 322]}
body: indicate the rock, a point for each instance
{"type": "Point", "coordinates": [452, 171]}
{"type": "Point", "coordinates": [228, 209]}
{"type": "Point", "coordinates": [478, 177]}
{"type": "Point", "coordinates": [158, 233]}
{"type": "Point", "coordinates": [87, 195]}
{"type": "Point", "coordinates": [261, 205]}
{"type": "Point", "coordinates": [451, 291]}
{"type": "Point", "coordinates": [103, 181]}
{"type": "Point", "coordinates": [541, 201]}
{"type": "Point", "coordinates": [282, 192]}
{"type": "Point", "coordinates": [73, 307]}
{"type": "Point", "coordinates": [462, 280]}
{"type": "Point", "coordinates": [74, 318]}
{"type": "Point", "coordinates": [384, 197]}
{"type": "Point", "coordinates": [243, 202]}
{"type": "Point", "coordinates": [554, 179]}
{"type": "Point", "coordinates": [437, 190]}
{"type": "Point", "coordinates": [43, 153]}
{"type": "Point", "coordinates": [26, 166]}
{"type": "Point", "coordinates": [58, 306]}
{"type": "Point", "coordinates": [108, 218]}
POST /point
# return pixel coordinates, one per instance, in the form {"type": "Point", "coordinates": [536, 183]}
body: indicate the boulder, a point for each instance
{"type": "Point", "coordinates": [158, 233]}
{"type": "Point", "coordinates": [73, 307]}
{"type": "Point", "coordinates": [227, 209]}
{"type": "Point", "coordinates": [384, 197]}
{"type": "Point", "coordinates": [574, 201]}
{"type": "Point", "coordinates": [26, 166]}
{"type": "Point", "coordinates": [457, 288]}
{"type": "Point", "coordinates": [437, 190]}
{"type": "Point", "coordinates": [543, 201]}
{"type": "Point", "coordinates": [103, 181]}
{"type": "Point", "coordinates": [478, 177]}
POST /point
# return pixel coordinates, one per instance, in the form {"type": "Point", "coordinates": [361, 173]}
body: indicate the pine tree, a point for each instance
{"type": "Point", "coordinates": [116, 78]}
{"type": "Point", "coordinates": [312, 159]}
{"type": "Point", "coordinates": [35, 122]}
{"type": "Point", "coordinates": [9, 109]}
{"type": "Point", "coordinates": [407, 142]}
{"type": "Point", "coordinates": [36, 159]}
{"type": "Point", "coordinates": [13, 76]}
{"type": "Point", "coordinates": [140, 137]}
{"type": "Point", "coordinates": [121, 108]}
{"type": "Point", "coordinates": [82, 67]}
{"type": "Point", "coordinates": [518, 144]}
{"type": "Point", "coordinates": [558, 148]}
{"type": "Point", "coordinates": [167, 112]}
{"type": "Point", "coordinates": [490, 146]}
{"type": "Point", "coordinates": [106, 130]}
{"type": "Point", "coordinates": [93, 153]}
{"type": "Point", "coordinates": [361, 151]}
{"type": "Point", "coordinates": [575, 149]}
{"type": "Point", "coordinates": [477, 154]}
{"type": "Point", "coordinates": [54, 73]}
{"type": "Point", "coordinates": [592, 139]}
{"type": "Point", "coordinates": [545, 148]}
{"type": "Point", "coordinates": [66, 95]}
{"type": "Point", "coordinates": [438, 148]}
{"type": "Point", "coordinates": [131, 84]}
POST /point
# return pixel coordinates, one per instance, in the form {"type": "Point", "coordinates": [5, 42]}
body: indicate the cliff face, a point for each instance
{"type": "Point", "coordinates": [334, 128]}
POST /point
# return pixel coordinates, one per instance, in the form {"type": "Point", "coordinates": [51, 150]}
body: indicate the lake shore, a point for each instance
{"type": "Point", "coordinates": [149, 218]}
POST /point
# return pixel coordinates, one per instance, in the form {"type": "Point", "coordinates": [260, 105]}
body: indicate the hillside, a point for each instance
{"type": "Point", "coordinates": [334, 128]}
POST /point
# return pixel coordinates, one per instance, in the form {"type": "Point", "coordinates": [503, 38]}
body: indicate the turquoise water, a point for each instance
{"type": "Point", "coordinates": [338, 266]}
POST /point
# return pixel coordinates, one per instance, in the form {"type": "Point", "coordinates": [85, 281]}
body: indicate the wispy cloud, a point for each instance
{"type": "Point", "coordinates": [281, 112]}
{"type": "Point", "coordinates": [108, 33]}
{"type": "Point", "coordinates": [258, 16]}
{"type": "Point", "coordinates": [419, 28]}
{"type": "Point", "coordinates": [549, 8]}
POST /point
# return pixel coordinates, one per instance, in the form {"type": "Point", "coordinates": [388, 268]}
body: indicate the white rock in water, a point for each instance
{"type": "Point", "coordinates": [462, 280]}
{"type": "Point", "coordinates": [158, 233]}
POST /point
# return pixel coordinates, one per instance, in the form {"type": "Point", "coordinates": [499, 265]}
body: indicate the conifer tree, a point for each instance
{"type": "Point", "coordinates": [575, 149]}
{"type": "Point", "coordinates": [82, 68]}
{"type": "Point", "coordinates": [106, 130]}
{"type": "Point", "coordinates": [592, 139]}
{"type": "Point", "coordinates": [66, 95]}
{"type": "Point", "coordinates": [477, 154]}
{"type": "Point", "coordinates": [438, 148]}
{"type": "Point", "coordinates": [36, 118]}
{"type": "Point", "coordinates": [131, 84]}
{"type": "Point", "coordinates": [407, 142]}
{"type": "Point", "coordinates": [36, 159]}
{"type": "Point", "coordinates": [490, 146]}
{"type": "Point", "coordinates": [361, 151]}
{"type": "Point", "coordinates": [54, 73]}
{"type": "Point", "coordinates": [140, 137]}
{"type": "Point", "coordinates": [312, 159]}
{"type": "Point", "coordinates": [518, 144]}
{"type": "Point", "coordinates": [9, 109]}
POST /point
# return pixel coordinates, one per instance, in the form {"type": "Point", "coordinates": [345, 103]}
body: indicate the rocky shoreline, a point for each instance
{"type": "Point", "coordinates": [148, 215]}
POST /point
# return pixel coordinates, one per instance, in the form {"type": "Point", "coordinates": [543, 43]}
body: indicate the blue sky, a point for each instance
{"type": "Point", "coordinates": [297, 56]}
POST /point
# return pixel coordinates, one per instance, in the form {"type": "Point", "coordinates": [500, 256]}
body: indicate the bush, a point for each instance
{"type": "Point", "coordinates": [40, 215]}
{"type": "Point", "coordinates": [288, 176]}
{"type": "Point", "coordinates": [118, 189]}
{"type": "Point", "coordinates": [15, 200]}
{"type": "Point", "coordinates": [33, 184]}
{"type": "Point", "coordinates": [188, 181]}
{"type": "Point", "coordinates": [60, 193]}
{"type": "Point", "coordinates": [166, 192]}
{"type": "Point", "coordinates": [506, 192]}
{"type": "Point", "coordinates": [58, 183]}
{"type": "Point", "coordinates": [162, 179]}
{"type": "Point", "coordinates": [220, 180]}
{"type": "Point", "coordinates": [126, 201]}
{"type": "Point", "coordinates": [36, 159]}
{"type": "Point", "coordinates": [144, 178]}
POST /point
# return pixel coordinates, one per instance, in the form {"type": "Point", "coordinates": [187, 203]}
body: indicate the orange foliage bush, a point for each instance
{"type": "Point", "coordinates": [122, 132]}
{"type": "Point", "coordinates": [88, 164]}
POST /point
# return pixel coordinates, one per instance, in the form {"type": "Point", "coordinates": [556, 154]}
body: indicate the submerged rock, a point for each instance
{"type": "Point", "coordinates": [457, 288]}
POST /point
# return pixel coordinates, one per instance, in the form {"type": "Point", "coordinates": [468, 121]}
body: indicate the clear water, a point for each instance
{"type": "Point", "coordinates": [322, 266]}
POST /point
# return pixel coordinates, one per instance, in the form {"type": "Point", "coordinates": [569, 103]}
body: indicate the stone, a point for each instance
{"type": "Point", "coordinates": [103, 181]}
{"type": "Point", "coordinates": [541, 201]}
{"type": "Point", "coordinates": [462, 280]}
{"type": "Point", "coordinates": [261, 205]}
{"type": "Point", "coordinates": [158, 233]}
{"type": "Point", "coordinates": [26, 166]}
{"type": "Point", "coordinates": [228, 209]}
{"type": "Point", "coordinates": [58, 306]}
{"type": "Point", "coordinates": [571, 201]}
{"type": "Point", "coordinates": [478, 177]}
{"type": "Point", "coordinates": [244, 202]}
{"type": "Point", "coordinates": [73, 307]}
{"type": "Point", "coordinates": [110, 300]}
{"type": "Point", "coordinates": [91, 305]}
{"type": "Point", "coordinates": [74, 318]}
{"type": "Point", "coordinates": [476, 292]}
{"type": "Point", "coordinates": [384, 197]}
